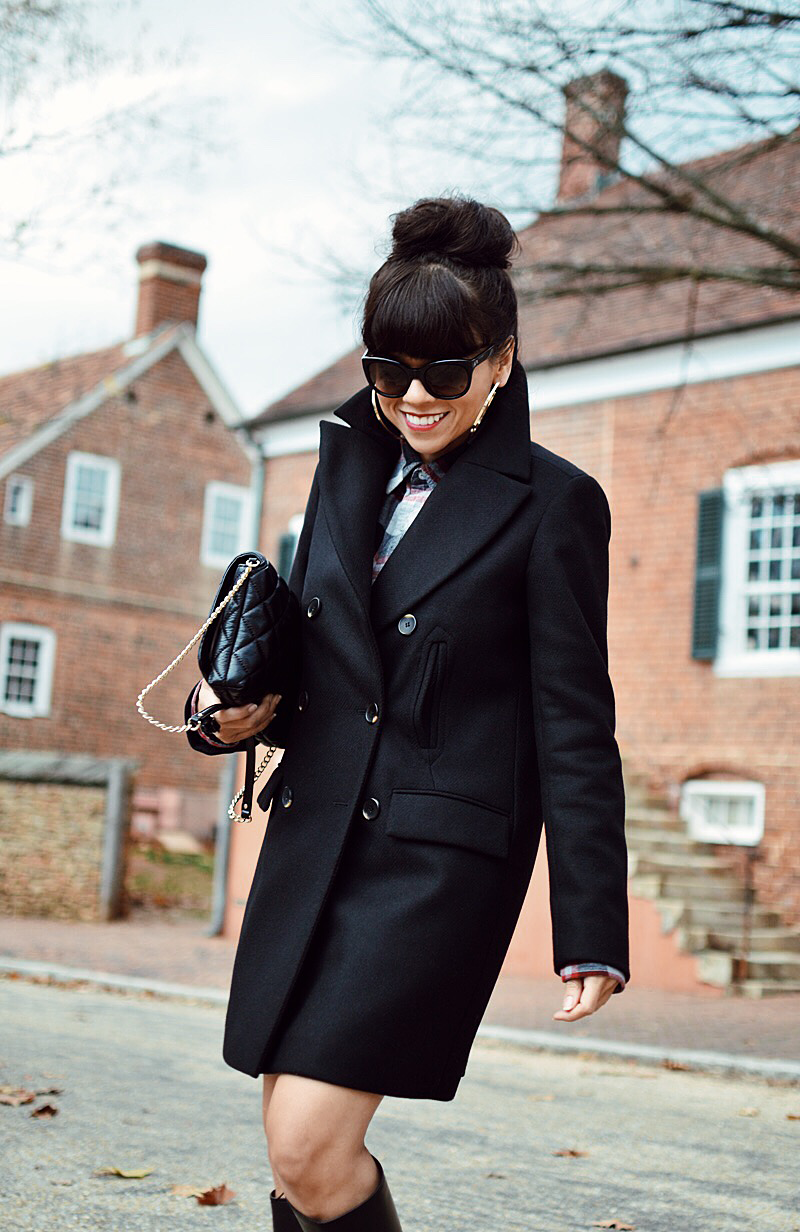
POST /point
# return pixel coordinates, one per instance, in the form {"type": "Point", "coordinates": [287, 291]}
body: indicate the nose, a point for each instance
{"type": "Point", "coordinates": [417, 395]}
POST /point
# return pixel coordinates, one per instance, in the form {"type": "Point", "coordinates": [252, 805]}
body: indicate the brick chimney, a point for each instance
{"type": "Point", "coordinates": [583, 172]}
{"type": "Point", "coordinates": [170, 279]}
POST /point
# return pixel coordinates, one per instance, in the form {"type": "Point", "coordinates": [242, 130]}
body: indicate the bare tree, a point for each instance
{"type": "Point", "coordinates": [87, 160]}
{"type": "Point", "coordinates": [597, 112]}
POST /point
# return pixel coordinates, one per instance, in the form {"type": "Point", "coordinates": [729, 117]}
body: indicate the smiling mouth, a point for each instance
{"type": "Point", "coordinates": [422, 422]}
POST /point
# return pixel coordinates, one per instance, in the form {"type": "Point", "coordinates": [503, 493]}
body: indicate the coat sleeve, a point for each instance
{"type": "Point", "coordinates": [276, 732]}
{"type": "Point", "coordinates": [583, 797]}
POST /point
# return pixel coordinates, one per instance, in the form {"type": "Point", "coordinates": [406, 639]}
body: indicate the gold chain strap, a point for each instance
{"type": "Point", "coordinates": [250, 566]}
{"type": "Point", "coordinates": [235, 816]}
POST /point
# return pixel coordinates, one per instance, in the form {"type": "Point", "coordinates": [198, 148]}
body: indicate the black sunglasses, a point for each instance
{"type": "Point", "coordinates": [442, 378]}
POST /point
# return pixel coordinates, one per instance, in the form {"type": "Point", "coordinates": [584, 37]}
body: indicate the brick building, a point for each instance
{"type": "Point", "coordinates": [682, 399]}
{"type": "Point", "coordinates": [128, 481]}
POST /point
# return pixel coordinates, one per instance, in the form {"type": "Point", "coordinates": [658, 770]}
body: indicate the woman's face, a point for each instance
{"type": "Point", "coordinates": [433, 425]}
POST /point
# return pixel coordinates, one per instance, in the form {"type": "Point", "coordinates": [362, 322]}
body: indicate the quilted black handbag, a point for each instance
{"type": "Point", "coordinates": [249, 646]}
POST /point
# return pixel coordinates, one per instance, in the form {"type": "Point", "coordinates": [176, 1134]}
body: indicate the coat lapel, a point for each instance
{"type": "Point", "coordinates": [486, 485]}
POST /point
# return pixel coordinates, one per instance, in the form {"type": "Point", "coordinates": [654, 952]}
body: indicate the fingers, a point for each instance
{"type": "Point", "coordinates": [584, 996]}
{"type": "Point", "coordinates": [240, 722]}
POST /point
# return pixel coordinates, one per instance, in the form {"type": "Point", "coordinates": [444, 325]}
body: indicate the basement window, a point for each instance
{"type": "Point", "coordinates": [723, 810]}
{"type": "Point", "coordinates": [27, 654]}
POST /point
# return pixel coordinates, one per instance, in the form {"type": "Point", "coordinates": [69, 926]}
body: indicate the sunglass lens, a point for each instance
{"type": "Point", "coordinates": [389, 379]}
{"type": "Point", "coordinates": [447, 380]}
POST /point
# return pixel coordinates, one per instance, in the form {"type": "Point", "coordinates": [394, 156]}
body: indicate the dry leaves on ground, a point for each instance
{"type": "Point", "coordinates": [571, 1151]}
{"type": "Point", "coordinates": [134, 1174]}
{"type": "Point", "coordinates": [216, 1197]}
{"type": "Point", "coordinates": [614, 1223]}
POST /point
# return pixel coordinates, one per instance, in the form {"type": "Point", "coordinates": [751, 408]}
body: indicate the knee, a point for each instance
{"type": "Point", "coordinates": [301, 1153]}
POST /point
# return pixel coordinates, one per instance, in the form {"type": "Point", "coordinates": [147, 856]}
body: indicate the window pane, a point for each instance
{"type": "Point", "coordinates": [21, 666]}
{"type": "Point", "coordinates": [225, 534]}
{"type": "Point", "coordinates": [772, 570]}
{"type": "Point", "coordinates": [89, 497]}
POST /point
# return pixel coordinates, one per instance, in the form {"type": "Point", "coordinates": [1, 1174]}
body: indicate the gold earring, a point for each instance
{"type": "Point", "coordinates": [378, 416]}
{"type": "Point", "coordinates": [485, 406]}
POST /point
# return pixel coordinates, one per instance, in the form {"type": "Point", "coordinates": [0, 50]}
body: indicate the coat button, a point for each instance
{"type": "Point", "coordinates": [302, 700]}
{"type": "Point", "coordinates": [370, 808]}
{"type": "Point", "coordinates": [286, 796]}
{"type": "Point", "coordinates": [407, 624]}
{"type": "Point", "coordinates": [371, 712]}
{"type": "Point", "coordinates": [314, 605]}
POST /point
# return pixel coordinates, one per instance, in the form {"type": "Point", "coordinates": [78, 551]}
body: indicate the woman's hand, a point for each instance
{"type": "Point", "coordinates": [584, 995]}
{"type": "Point", "coordinates": [238, 722]}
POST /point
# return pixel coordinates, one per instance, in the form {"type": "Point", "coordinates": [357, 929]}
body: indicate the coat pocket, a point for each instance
{"type": "Point", "coordinates": [272, 784]}
{"type": "Point", "coordinates": [443, 817]}
{"type": "Point", "coordinates": [428, 703]}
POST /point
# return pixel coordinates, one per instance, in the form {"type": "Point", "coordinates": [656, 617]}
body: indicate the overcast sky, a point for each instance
{"type": "Point", "coordinates": [290, 114]}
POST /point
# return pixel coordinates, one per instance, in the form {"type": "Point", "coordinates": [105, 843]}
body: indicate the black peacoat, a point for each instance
{"type": "Point", "coordinates": [446, 712]}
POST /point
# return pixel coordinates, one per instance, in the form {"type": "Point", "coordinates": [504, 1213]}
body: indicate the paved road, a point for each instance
{"type": "Point", "coordinates": [145, 1086]}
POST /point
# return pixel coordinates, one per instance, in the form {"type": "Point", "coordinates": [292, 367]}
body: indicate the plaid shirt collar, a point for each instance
{"type": "Point", "coordinates": [410, 461]}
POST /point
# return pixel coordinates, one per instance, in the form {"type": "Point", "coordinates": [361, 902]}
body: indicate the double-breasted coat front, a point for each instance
{"type": "Point", "coordinates": [445, 713]}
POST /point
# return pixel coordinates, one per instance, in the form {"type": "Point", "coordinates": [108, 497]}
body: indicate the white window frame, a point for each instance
{"type": "Point", "coordinates": [733, 656]}
{"type": "Point", "coordinates": [234, 491]}
{"type": "Point", "coordinates": [24, 484]}
{"type": "Point", "coordinates": [696, 793]}
{"type": "Point", "coordinates": [39, 707]}
{"type": "Point", "coordinates": [105, 534]}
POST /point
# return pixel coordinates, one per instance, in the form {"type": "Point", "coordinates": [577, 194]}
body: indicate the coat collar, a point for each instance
{"type": "Point", "coordinates": [485, 486]}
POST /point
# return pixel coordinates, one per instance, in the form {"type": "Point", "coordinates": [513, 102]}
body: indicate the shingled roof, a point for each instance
{"type": "Point", "coordinates": [763, 176]}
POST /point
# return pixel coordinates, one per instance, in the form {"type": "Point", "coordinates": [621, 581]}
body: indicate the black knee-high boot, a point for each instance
{"type": "Point", "coordinates": [375, 1214]}
{"type": "Point", "coordinates": [283, 1219]}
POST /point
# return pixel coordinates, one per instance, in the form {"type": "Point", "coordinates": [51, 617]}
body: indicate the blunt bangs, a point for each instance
{"type": "Point", "coordinates": [423, 313]}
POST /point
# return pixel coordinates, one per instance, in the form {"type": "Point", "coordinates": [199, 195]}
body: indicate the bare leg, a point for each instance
{"type": "Point", "coordinates": [315, 1137]}
{"type": "Point", "coordinates": [269, 1085]}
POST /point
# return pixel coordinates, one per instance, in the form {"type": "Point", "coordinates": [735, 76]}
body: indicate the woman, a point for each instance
{"type": "Point", "coordinates": [452, 577]}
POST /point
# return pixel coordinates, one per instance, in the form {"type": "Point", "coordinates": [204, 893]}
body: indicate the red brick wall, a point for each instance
{"type": "Point", "coordinates": [122, 613]}
{"type": "Point", "coordinates": [653, 453]}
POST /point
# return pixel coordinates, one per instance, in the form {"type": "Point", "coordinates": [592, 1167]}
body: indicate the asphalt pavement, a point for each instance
{"type": "Point", "coordinates": [534, 1141]}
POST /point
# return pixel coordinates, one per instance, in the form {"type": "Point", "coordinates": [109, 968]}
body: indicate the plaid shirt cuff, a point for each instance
{"type": "Point", "coordinates": [200, 732]}
{"type": "Point", "coordinates": [581, 969]}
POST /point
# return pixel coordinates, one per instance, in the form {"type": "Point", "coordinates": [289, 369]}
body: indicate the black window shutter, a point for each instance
{"type": "Point", "coordinates": [707, 574]}
{"type": "Point", "coordinates": [286, 547]}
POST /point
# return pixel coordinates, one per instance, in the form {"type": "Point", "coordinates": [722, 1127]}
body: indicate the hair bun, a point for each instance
{"type": "Point", "coordinates": [455, 227]}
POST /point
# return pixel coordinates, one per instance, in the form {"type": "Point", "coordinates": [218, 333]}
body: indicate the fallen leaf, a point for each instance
{"type": "Point", "coordinates": [614, 1223]}
{"type": "Point", "coordinates": [46, 1110]}
{"type": "Point", "coordinates": [499, 1175]}
{"type": "Point", "coordinates": [748, 1112]}
{"type": "Point", "coordinates": [668, 1063]}
{"type": "Point", "coordinates": [14, 1096]}
{"type": "Point", "coordinates": [59, 1182]}
{"type": "Point", "coordinates": [49, 1090]}
{"type": "Point", "coordinates": [135, 1174]}
{"type": "Point", "coordinates": [571, 1151]}
{"type": "Point", "coordinates": [793, 1116]}
{"type": "Point", "coordinates": [186, 1191]}
{"type": "Point", "coordinates": [217, 1196]}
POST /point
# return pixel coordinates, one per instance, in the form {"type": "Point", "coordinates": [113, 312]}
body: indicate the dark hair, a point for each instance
{"type": "Point", "coordinates": [444, 290]}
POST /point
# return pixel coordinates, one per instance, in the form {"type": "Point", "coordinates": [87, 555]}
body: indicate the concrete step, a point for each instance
{"type": "Point", "coordinates": [649, 815]}
{"type": "Point", "coordinates": [726, 916]}
{"type": "Point", "coordinates": [781, 965]}
{"type": "Point", "coordinates": [717, 967]}
{"type": "Point", "coordinates": [651, 838]}
{"type": "Point", "coordinates": [693, 939]}
{"type": "Point", "coordinates": [764, 988]}
{"type": "Point", "coordinates": [700, 888]}
{"type": "Point", "coordinates": [662, 862]}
